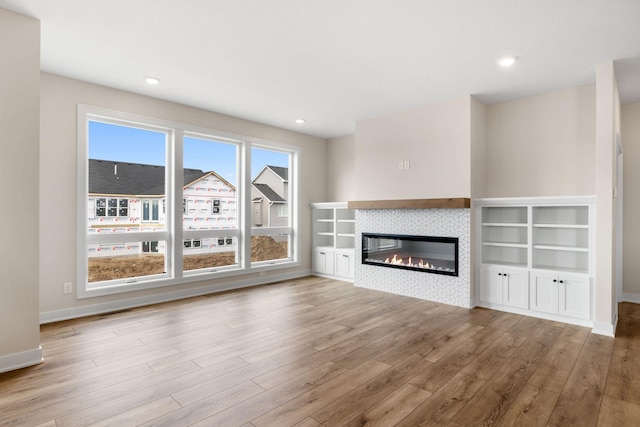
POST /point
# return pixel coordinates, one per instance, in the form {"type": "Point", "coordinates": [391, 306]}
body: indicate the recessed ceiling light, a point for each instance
{"type": "Point", "coordinates": [150, 80]}
{"type": "Point", "coordinates": [507, 61]}
{"type": "Point", "coordinates": [300, 121]}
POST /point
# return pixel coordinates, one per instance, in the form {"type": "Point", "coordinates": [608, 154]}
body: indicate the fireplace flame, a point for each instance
{"type": "Point", "coordinates": [399, 261]}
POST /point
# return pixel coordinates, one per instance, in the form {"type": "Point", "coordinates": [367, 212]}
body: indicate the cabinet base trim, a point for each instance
{"type": "Point", "coordinates": [329, 276]}
{"type": "Point", "coordinates": [11, 362]}
{"type": "Point", "coordinates": [537, 314]}
{"type": "Point", "coordinates": [605, 329]}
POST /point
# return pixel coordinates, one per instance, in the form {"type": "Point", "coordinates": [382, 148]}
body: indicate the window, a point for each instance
{"type": "Point", "coordinates": [211, 195]}
{"type": "Point", "coordinates": [124, 207]}
{"type": "Point", "coordinates": [271, 237]}
{"type": "Point", "coordinates": [150, 210]}
{"type": "Point", "coordinates": [164, 203]}
{"type": "Point", "coordinates": [215, 207]}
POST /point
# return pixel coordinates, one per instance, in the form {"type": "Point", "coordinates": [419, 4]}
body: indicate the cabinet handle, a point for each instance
{"type": "Point", "coordinates": [561, 281]}
{"type": "Point", "coordinates": [346, 256]}
{"type": "Point", "coordinates": [504, 274]}
{"type": "Point", "coordinates": [322, 253]}
{"type": "Point", "coordinates": [554, 280]}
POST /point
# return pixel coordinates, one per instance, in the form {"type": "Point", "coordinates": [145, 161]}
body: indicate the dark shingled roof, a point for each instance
{"type": "Point", "coordinates": [268, 193]}
{"type": "Point", "coordinates": [280, 171]}
{"type": "Point", "coordinates": [109, 177]}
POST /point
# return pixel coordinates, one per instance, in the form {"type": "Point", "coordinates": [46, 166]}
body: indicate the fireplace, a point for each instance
{"type": "Point", "coordinates": [428, 254]}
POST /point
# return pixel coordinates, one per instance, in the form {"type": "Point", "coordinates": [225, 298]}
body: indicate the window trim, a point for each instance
{"type": "Point", "coordinates": [174, 234]}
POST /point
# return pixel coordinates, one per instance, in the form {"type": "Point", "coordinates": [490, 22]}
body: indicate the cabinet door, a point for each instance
{"type": "Point", "coordinates": [544, 292]}
{"type": "Point", "coordinates": [515, 287]}
{"type": "Point", "coordinates": [575, 296]}
{"type": "Point", "coordinates": [344, 264]}
{"type": "Point", "coordinates": [491, 284]}
{"type": "Point", "coordinates": [323, 261]}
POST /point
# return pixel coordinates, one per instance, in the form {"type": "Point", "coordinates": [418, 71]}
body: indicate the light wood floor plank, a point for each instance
{"type": "Point", "coordinates": [306, 404]}
{"type": "Point", "coordinates": [580, 399]}
{"type": "Point", "coordinates": [394, 408]}
{"type": "Point", "coordinates": [372, 393]}
{"type": "Point", "coordinates": [278, 395]}
{"type": "Point", "coordinates": [618, 413]}
{"type": "Point", "coordinates": [319, 352]}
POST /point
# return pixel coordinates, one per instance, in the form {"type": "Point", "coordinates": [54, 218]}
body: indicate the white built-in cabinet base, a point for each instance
{"type": "Point", "coordinates": [551, 295]}
{"type": "Point", "coordinates": [334, 263]}
{"type": "Point", "coordinates": [535, 257]}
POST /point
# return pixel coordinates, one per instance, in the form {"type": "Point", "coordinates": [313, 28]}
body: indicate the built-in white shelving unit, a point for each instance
{"type": "Point", "coordinates": [333, 230]}
{"type": "Point", "coordinates": [535, 256]}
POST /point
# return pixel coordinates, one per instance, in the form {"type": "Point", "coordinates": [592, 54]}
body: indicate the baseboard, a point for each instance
{"type": "Point", "coordinates": [606, 329]}
{"type": "Point", "coordinates": [11, 362]}
{"type": "Point", "coordinates": [635, 298]}
{"type": "Point", "coordinates": [89, 310]}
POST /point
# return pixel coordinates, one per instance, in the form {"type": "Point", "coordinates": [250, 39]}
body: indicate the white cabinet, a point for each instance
{"type": "Point", "coordinates": [561, 293]}
{"type": "Point", "coordinates": [344, 263]}
{"type": "Point", "coordinates": [549, 239]}
{"type": "Point", "coordinates": [544, 292]}
{"type": "Point", "coordinates": [506, 286]}
{"type": "Point", "coordinates": [333, 227]}
{"type": "Point", "coordinates": [323, 261]}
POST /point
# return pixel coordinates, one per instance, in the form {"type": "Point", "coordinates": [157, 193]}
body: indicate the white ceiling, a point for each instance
{"type": "Point", "coordinates": [334, 62]}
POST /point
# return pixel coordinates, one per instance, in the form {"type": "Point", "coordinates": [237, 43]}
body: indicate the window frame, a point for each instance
{"type": "Point", "coordinates": [174, 235]}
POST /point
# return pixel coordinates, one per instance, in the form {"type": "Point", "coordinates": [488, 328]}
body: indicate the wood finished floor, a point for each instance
{"type": "Point", "coordinates": [319, 352]}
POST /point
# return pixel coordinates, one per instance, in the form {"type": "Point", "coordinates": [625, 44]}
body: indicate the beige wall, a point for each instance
{"type": "Point", "coordinates": [59, 99]}
{"type": "Point", "coordinates": [19, 125]}
{"type": "Point", "coordinates": [478, 140]}
{"type": "Point", "coordinates": [341, 166]}
{"type": "Point", "coordinates": [434, 139]}
{"type": "Point", "coordinates": [607, 126]}
{"type": "Point", "coordinates": [478, 145]}
{"type": "Point", "coordinates": [630, 134]}
{"type": "Point", "coordinates": [542, 145]}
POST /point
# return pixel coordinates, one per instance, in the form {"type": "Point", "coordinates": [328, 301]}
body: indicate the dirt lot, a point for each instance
{"type": "Point", "coordinates": [263, 248]}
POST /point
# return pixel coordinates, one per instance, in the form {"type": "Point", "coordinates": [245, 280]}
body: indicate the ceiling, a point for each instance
{"type": "Point", "coordinates": [335, 62]}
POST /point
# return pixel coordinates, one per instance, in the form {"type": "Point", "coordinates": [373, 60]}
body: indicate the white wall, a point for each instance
{"type": "Point", "coordinates": [19, 133]}
{"type": "Point", "coordinates": [59, 99]}
{"type": "Point", "coordinates": [435, 139]}
{"type": "Point", "coordinates": [630, 134]}
{"type": "Point", "coordinates": [542, 145]}
{"type": "Point", "coordinates": [341, 167]}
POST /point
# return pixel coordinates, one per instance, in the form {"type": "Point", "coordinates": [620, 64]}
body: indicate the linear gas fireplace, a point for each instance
{"type": "Point", "coordinates": [429, 254]}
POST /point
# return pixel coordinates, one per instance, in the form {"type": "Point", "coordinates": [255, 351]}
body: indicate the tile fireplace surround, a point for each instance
{"type": "Point", "coordinates": [447, 222]}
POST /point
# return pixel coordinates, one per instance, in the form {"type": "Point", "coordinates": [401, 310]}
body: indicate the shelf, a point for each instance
{"type": "Point", "coordinates": [561, 215]}
{"type": "Point", "coordinates": [503, 224]}
{"type": "Point", "coordinates": [506, 263]}
{"type": "Point", "coordinates": [346, 235]}
{"type": "Point", "coordinates": [324, 220]}
{"type": "Point", "coordinates": [568, 226]}
{"type": "Point", "coordinates": [505, 244]}
{"type": "Point", "coordinates": [325, 233]}
{"type": "Point", "coordinates": [561, 248]}
{"type": "Point", "coordinates": [508, 215]}
{"type": "Point", "coordinates": [352, 221]}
